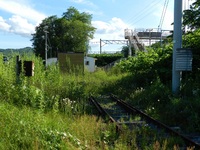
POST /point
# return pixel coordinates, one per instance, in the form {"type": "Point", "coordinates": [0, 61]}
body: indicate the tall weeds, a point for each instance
{"type": "Point", "coordinates": [49, 88]}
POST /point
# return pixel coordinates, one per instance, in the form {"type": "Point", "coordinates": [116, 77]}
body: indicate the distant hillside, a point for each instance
{"type": "Point", "coordinates": [8, 52]}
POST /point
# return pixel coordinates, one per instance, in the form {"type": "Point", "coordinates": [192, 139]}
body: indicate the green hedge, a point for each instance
{"type": "Point", "coordinates": [104, 59]}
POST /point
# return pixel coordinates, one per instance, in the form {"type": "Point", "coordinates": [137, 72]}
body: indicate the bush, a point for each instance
{"type": "Point", "coordinates": [104, 59]}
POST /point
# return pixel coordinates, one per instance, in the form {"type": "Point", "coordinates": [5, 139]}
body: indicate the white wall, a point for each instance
{"type": "Point", "coordinates": [51, 61]}
{"type": "Point", "coordinates": [89, 63]}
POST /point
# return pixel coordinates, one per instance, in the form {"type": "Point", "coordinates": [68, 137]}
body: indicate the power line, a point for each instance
{"type": "Point", "coordinates": [143, 11]}
{"type": "Point", "coordinates": [163, 14]}
{"type": "Point", "coordinates": [146, 10]}
{"type": "Point", "coordinates": [161, 19]}
{"type": "Point", "coordinates": [139, 19]}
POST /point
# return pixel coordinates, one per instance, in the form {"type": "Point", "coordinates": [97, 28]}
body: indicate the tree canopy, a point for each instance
{"type": "Point", "coordinates": [191, 17]}
{"type": "Point", "coordinates": [70, 33]}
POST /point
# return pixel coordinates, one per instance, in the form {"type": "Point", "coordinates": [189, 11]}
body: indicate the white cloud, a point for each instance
{"type": "Point", "coordinates": [23, 17]}
{"type": "Point", "coordinates": [93, 12]}
{"type": "Point", "coordinates": [114, 29]}
{"type": "Point", "coordinates": [23, 10]}
{"type": "Point", "coordinates": [111, 30]}
{"type": "Point", "coordinates": [21, 26]}
{"type": "Point", "coordinates": [168, 17]}
{"type": "Point", "coordinates": [86, 2]}
{"type": "Point", "coordinates": [3, 25]}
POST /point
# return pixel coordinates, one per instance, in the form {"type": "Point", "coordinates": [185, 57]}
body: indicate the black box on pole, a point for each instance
{"type": "Point", "coordinates": [29, 68]}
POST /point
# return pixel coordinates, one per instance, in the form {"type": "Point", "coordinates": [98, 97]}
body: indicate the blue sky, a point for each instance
{"type": "Point", "coordinates": [18, 18]}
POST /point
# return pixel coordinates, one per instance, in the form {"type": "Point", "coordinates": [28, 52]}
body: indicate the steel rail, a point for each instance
{"type": "Point", "coordinates": [156, 122]}
{"type": "Point", "coordinates": [105, 113]}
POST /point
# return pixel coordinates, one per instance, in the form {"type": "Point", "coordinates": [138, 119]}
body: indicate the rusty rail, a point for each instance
{"type": "Point", "coordinates": [131, 110]}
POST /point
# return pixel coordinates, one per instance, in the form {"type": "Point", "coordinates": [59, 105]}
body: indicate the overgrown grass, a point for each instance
{"type": "Point", "coordinates": [26, 128]}
{"type": "Point", "coordinates": [47, 88]}
{"type": "Point", "coordinates": [51, 111]}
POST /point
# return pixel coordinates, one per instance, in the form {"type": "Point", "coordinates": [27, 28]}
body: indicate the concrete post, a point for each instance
{"type": "Point", "coordinates": [129, 48]}
{"type": "Point", "coordinates": [177, 39]}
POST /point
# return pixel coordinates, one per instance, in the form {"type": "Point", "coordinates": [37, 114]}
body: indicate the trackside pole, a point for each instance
{"type": "Point", "coordinates": [177, 40]}
{"type": "Point", "coordinates": [18, 68]}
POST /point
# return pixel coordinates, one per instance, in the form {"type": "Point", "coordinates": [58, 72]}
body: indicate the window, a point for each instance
{"type": "Point", "coordinates": [87, 63]}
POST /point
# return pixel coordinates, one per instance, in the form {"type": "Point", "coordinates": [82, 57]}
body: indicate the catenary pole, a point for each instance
{"type": "Point", "coordinates": [177, 40]}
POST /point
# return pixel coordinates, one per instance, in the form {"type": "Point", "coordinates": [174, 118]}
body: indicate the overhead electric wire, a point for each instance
{"type": "Point", "coordinates": [147, 10]}
{"type": "Point", "coordinates": [139, 19]}
{"type": "Point", "coordinates": [141, 11]}
{"type": "Point", "coordinates": [161, 19]}
{"type": "Point", "coordinates": [144, 11]}
{"type": "Point", "coordinates": [163, 14]}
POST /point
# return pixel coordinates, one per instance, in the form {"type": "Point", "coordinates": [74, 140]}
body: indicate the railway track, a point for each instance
{"type": "Point", "coordinates": [123, 114]}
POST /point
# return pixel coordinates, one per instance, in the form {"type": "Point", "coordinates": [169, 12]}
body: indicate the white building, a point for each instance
{"type": "Point", "coordinates": [89, 63]}
{"type": "Point", "coordinates": [51, 61]}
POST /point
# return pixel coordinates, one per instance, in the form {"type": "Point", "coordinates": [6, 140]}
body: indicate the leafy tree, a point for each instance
{"type": "Point", "coordinates": [191, 40]}
{"type": "Point", "coordinates": [191, 16]}
{"type": "Point", "coordinates": [150, 65]}
{"type": "Point", "coordinates": [125, 51]}
{"type": "Point", "coordinates": [73, 14]}
{"type": "Point", "coordinates": [105, 59]}
{"type": "Point", "coordinates": [71, 32]}
{"type": "Point", "coordinates": [39, 37]}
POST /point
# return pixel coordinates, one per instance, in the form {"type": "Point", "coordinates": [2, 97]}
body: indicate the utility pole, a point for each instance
{"type": "Point", "coordinates": [129, 48]}
{"type": "Point", "coordinates": [177, 40]}
{"type": "Point", "coordinates": [100, 46]}
{"type": "Point", "coordinates": [45, 31]}
{"type": "Point", "coordinates": [150, 30]}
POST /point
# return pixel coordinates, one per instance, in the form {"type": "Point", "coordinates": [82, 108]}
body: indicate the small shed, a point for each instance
{"type": "Point", "coordinates": [70, 61]}
{"type": "Point", "coordinates": [89, 63]}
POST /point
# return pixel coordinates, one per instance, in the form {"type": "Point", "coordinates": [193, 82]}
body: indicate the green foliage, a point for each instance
{"type": "Point", "coordinates": [69, 33]}
{"type": "Point", "coordinates": [48, 88]}
{"type": "Point", "coordinates": [152, 99]}
{"type": "Point", "coordinates": [191, 40]}
{"type": "Point", "coordinates": [73, 14]}
{"type": "Point", "coordinates": [8, 52]}
{"type": "Point", "coordinates": [52, 106]}
{"type": "Point", "coordinates": [149, 65]}
{"type": "Point", "coordinates": [104, 59]}
{"type": "Point", "coordinates": [125, 51]}
{"type": "Point", "coordinates": [149, 82]}
{"type": "Point", "coordinates": [191, 16]}
{"type": "Point", "coordinates": [29, 129]}
{"type": "Point", "coordinates": [49, 91]}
